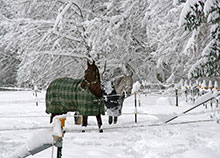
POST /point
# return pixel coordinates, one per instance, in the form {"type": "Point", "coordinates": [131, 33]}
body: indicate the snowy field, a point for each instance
{"type": "Point", "coordinates": [192, 135]}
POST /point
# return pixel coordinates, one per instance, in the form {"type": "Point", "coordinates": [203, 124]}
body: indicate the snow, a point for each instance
{"type": "Point", "coordinates": [36, 140]}
{"type": "Point", "coordinates": [205, 97]}
{"type": "Point", "coordinates": [39, 138]}
{"type": "Point", "coordinates": [146, 139]}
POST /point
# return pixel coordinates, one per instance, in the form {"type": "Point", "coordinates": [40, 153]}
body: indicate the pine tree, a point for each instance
{"type": "Point", "coordinates": [205, 12]}
{"type": "Point", "coordinates": [195, 16]}
{"type": "Point", "coordinates": [213, 58]}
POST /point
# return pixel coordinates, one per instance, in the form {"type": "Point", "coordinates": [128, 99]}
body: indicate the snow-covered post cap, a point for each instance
{"type": "Point", "coordinates": [136, 87]}
{"type": "Point", "coordinates": [210, 85]}
{"type": "Point", "coordinates": [58, 124]}
{"type": "Point", "coordinates": [216, 85]}
{"type": "Point", "coordinates": [185, 87]}
{"type": "Point", "coordinates": [204, 86]}
{"type": "Point", "coordinates": [200, 85]}
{"type": "Point", "coordinates": [190, 84]}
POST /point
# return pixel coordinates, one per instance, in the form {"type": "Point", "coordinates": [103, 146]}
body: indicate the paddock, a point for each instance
{"type": "Point", "coordinates": [192, 134]}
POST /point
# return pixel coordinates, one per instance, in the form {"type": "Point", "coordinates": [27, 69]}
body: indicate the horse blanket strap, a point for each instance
{"type": "Point", "coordinates": [65, 94]}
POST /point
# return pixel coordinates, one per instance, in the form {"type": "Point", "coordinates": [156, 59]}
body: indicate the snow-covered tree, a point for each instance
{"type": "Point", "coordinates": [212, 51]}
{"type": "Point", "coordinates": [46, 34]}
{"type": "Point", "coordinates": [52, 38]}
{"type": "Point", "coordinates": [8, 59]}
{"type": "Point", "coordinates": [198, 15]}
{"type": "Point", "coordinates": [166, 41]}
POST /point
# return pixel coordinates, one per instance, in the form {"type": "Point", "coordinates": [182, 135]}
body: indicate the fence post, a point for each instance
{"type": "Point", "coordinates": [59, 134]}
{"type": "Point", "coordinates": [135, 104]}
{"type": "Point", "coordinates": [176, 97]}
{"type": "Point", "coordinates": [59, 147]}
{"type": "Point", "coordinates": [35, 94]}
{"type": "Point", "coordinates": [62, 120]}
{"type": "Point", "coordinates": [186, 89]}
{"type": "Point", "coordinates": [139, 99]}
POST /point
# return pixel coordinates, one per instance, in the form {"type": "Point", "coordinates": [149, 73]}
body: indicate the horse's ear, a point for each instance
{"type": "Point", "coordinates": [93, 63]}
{"type": "Point", "coordinates": [88, 64]}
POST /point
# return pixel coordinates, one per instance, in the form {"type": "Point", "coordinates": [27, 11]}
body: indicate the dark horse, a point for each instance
{"type": "Point", "coordinates": [84, 96]}
{"type": "Point", "coordinates": [115, 92]}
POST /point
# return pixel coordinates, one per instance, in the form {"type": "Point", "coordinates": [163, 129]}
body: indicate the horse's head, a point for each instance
{"type": "Point", "coordinates": [123, 84]}
{"type": "Point", "coordinates": [92, 79]}
{"type": "Point", "coordinates": [92, 73]}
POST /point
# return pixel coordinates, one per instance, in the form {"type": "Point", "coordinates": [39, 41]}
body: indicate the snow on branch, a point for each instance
{"type": "Point", "coordinates": [190, 43]}
{"type": "Point", "coordinates": [188, 8]}
{"type": "Point", "coordinates": [58, 22]}
{"type": "Point", "coordinates": [72, 54]}
{"type": "Point", "coordinates": [195, 67]}
{"type": "Point", "coordinates": [209, 5]}
{"type": "Point", "coordinates": [63, 9]}
{"type": "Point", "coordinates": [211, 9]}
{"type": "Point", "coordinates": [201, 61]}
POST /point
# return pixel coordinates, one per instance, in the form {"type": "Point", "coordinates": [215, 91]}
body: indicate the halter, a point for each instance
{"type": "Point", "coordinates": [93, 82]}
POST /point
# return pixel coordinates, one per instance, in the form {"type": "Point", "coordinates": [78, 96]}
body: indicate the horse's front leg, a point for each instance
{"type": "Point", "coordinates": [110, 119]}
{"type": "Point", "coordinates": [84, 122]}
{"type": "Point", "coordinates": [99, 121]}
{"type": "Point", "coordinates": [115, 119]}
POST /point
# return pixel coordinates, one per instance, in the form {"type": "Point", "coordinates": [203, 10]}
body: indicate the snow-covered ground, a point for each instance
{"type": "Point", "coordinates": [194, 134]}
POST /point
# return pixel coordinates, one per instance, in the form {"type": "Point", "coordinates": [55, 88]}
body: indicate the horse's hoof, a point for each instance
{"type": "Point", "coordinates": [83, 131]}
{"type": "Point", "coordinates": [101, 131]}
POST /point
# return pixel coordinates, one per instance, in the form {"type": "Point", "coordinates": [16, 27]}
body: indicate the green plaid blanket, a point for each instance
{"type": "Point", "coordinates": [65, 94]}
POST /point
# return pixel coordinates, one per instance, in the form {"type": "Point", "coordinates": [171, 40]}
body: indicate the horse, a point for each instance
{"type": "Point", "coordinates": [80, 95]}
{"type": "Point", "coordinates": [115, 92]}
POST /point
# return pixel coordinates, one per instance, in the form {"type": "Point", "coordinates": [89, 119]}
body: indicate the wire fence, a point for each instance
{"type": "Point", "coordinates": [108, 128]}
{"type": "Point", "coordinates": [24, 129]}
{"type": "Point", "coordinates": [70, 130]}
{"type": "Point", "coordinates": [69, 115]}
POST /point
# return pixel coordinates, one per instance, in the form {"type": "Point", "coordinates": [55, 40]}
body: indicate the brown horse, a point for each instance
{"type": "Point", "coordinates": [85, 96]}
{"type": "Point", "coordinates": [93, 82]}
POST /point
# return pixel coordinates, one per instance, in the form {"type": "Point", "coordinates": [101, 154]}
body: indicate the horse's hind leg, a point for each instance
{"type": "Point", "coordinates": [110, 119]}
{"type": "Point", "coordinates": [115, 119]}
{"type": "Point", "coordinates": [51, 117]}
{"type": "Point", "coordinates": [99, 121]}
